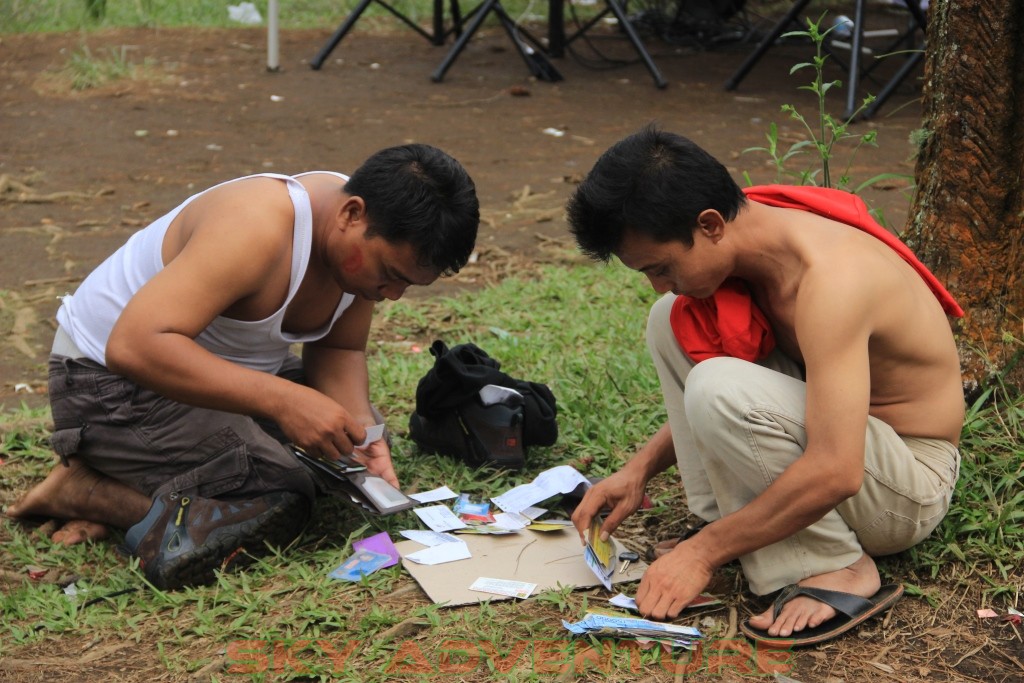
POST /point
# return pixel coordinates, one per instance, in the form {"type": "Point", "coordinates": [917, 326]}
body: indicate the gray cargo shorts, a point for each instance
{"type": "Point", "coordinates": [156, 445]}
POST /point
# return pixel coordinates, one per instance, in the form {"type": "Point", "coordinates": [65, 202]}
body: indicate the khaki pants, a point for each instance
{"type": "Point", "coordinates": [736, 426]}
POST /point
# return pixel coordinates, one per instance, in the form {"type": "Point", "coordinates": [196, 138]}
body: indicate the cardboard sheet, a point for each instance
{"type": "Point", "coordinates": [544, 558]}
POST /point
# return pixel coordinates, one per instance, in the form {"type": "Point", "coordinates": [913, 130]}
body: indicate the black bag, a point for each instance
{"type": "Point", "coordinates": [452, 418]}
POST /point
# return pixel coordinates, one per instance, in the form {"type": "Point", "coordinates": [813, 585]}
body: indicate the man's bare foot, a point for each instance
{"type": "Point", "coordinates": [82, 494]}
{"type": "Point", "coordinates": [860, 578]}
{"type": "Point", "coordinates": [665, 547]}
{"type": "Point", "coordinates": [79, 531]}
{"type": "Point", "coordinates": [659, 550]}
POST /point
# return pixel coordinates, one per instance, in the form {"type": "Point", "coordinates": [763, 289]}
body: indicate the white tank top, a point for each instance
{"type": "Point", "coordinates": [89, 315]}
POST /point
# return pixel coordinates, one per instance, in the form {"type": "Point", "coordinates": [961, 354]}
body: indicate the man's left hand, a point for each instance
{"type": "Point", "coordinates": [672, 582]}
{"type": "Point", "coordinates": [377, 458]}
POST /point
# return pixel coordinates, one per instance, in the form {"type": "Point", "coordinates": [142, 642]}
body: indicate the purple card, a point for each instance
{"type": "Point", "coordinates": [379, 543]}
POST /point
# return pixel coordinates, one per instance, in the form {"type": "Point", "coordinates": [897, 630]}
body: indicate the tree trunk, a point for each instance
{"type": "Point", "coordinates": [967, 219]}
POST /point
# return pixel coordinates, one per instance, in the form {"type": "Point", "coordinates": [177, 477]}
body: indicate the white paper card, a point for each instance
{"type": "Point", "coordinates": [441, 493]}
{"type": "Point", "coordinates": [439, 518]}
{"type": "Point", "coordinates": [439, 554]}
{"type": "Point", "coordinates": [373, 433]}
{"type": "Point", "coordinates": [429, 538]}
{"type": "Point", "coordinates": [533, 512]}
{"type": "Point", "coordinates": [561, 479]}
{"type": "Point", "coordinates": [514, 589]}
{"type": "Point", "coordinates": [511, 521]}
{"type": "Point", "coordinates": [624, 601]}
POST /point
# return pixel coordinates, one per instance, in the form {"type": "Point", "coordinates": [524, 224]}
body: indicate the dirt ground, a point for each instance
{"type": "Point", "coordinates": [84, 169]}
{"type": "Point", "coordinates": [81, 170]}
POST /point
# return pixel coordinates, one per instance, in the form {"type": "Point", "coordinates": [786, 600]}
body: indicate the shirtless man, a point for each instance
{"type": "Point", "coordinates": [812, 455]}
{"type": "Point", "coordinates": [172, 388]}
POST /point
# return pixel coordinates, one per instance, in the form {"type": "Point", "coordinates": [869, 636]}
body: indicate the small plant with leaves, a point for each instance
{"type": "Point", "coordinates": [824, 131]}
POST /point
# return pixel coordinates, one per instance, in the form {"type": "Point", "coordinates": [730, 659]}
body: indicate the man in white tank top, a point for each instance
{"type": "Point", "coordinates": [172, 388]}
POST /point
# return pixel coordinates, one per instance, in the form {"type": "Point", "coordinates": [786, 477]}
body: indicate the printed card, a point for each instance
{"type": "Point", "coordinates": [514, 589]}
{"type": "Point", "coordinates": [360, 564]}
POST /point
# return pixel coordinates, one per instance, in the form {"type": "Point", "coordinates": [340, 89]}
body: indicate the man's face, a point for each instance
{"type": "Point", "coordinates": [376, 269]}
{"type": "Point", "coordinates": [673, 266]}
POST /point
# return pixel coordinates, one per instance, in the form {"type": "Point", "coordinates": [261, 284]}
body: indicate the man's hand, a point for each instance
{"type": "Point", "coordinates": [318, 424]}
{"type": "Point", "coordinates": [623, 492]}
{"type": "Point", "coordinates": [672, 582]}
{"type": "Point", "coordinates": [377, 458]}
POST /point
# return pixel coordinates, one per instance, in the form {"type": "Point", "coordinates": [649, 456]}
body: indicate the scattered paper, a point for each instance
{"type": "Point", "coordinates": [702, 600]}
{"type": "Point", "coordinates": [439, 518]}
{"type": "Point", "coordinates": [630, 627]}
{"type": "Point", "coordinates": [547, 526]}
{"type": "Point", "coordinates": [510, 521]}
{"type": "Point", "coordinates": [379, 543]}
{"type": "Point", "coordinates": [428, 538]}
{"type": "Point", "coordinates": [623, 601]}
{"type": "Point", "coordinates": [432, 496]}
{"type": "Point", "coordinates": [554, 132]}
{"type": "Point", "coordinates": [486, 529]}
{"type": "Point", "coordinates": [561, 479]}
{"type": "Point", "coordinates": [513, 589]}
{"type": "Point", "coordinates": [987, 613]}
{"type": "Point", "coordinates": [439, 554]}
{"type": "Point", "coordinates": [552, 561]}
{"type": "Point", "coordinates": [533, 512]}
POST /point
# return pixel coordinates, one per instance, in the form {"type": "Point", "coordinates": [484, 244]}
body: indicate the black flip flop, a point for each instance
{"type": "Point", "coordinates": [852, 610]}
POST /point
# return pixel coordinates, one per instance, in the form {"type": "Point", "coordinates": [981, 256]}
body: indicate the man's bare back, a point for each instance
{"type": "Point", "coordinates": [914, 367]}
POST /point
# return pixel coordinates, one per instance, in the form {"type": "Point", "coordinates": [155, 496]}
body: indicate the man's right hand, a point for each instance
{"type": "Point", "coordinates": [622, 493]}
{"type": "Point", "coordinates": [320, 426]}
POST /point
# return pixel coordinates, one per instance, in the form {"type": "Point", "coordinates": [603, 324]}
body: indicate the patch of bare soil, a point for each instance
{"type": "Point", "coordinates": [81, 170]}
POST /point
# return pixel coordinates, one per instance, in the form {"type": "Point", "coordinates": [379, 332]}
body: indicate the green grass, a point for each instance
{"type": "Point", "coordinates": [984, 529]}
{"type": "Point", "coordinates": [85, 70]}
{"type": "Point", "coordinates": [578, 328]}
{"type": "Point", "coordinates": [595, 362]}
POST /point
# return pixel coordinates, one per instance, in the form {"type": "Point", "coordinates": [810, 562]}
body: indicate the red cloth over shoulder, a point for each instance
{"type": "Point", "coordinates": [729, 323]}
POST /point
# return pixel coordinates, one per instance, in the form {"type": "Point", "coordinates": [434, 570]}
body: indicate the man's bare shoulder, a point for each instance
{"type": "Point", "coordinates": [861, 292]}
{"type": "Point", "coordinates": [256, 212]}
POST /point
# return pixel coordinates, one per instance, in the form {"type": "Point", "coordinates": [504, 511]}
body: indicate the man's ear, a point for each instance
{"type": "Point", "coordinates": [711, 224]}
{"type": "Point", "coordinates": [352, 213]}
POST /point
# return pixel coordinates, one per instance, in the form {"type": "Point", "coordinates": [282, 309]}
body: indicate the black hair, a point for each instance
{"type": "Point", "coordinates": [653, 183]}
{"type": "Point", "coordinates": [418, 195]}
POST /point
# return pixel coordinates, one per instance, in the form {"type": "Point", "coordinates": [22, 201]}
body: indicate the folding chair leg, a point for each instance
{"type": "Point", "coordinates": [538, 65]}
{"type": "Point", "coordinates": [765, 44]}
{"type": "Point", "coordinates": [345, 27]}
{"type": "Point", "coordinates": [460, 44]}
{"type": "Point", "coordinates": [891, 86]}
{"type": "Point", "coordinates": [533, 57]}
{"type": "Point", "coordinates": [626, 26]}
{"type": "Point", "coordinates": [855, 56]}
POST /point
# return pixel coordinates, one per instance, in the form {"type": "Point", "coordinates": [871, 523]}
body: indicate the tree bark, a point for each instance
{"type": "Point", "coordinates": [967, 219]}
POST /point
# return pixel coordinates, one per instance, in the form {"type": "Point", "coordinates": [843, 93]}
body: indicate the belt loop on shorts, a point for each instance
{"type": "Point", "coordinates": [67, 371]}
